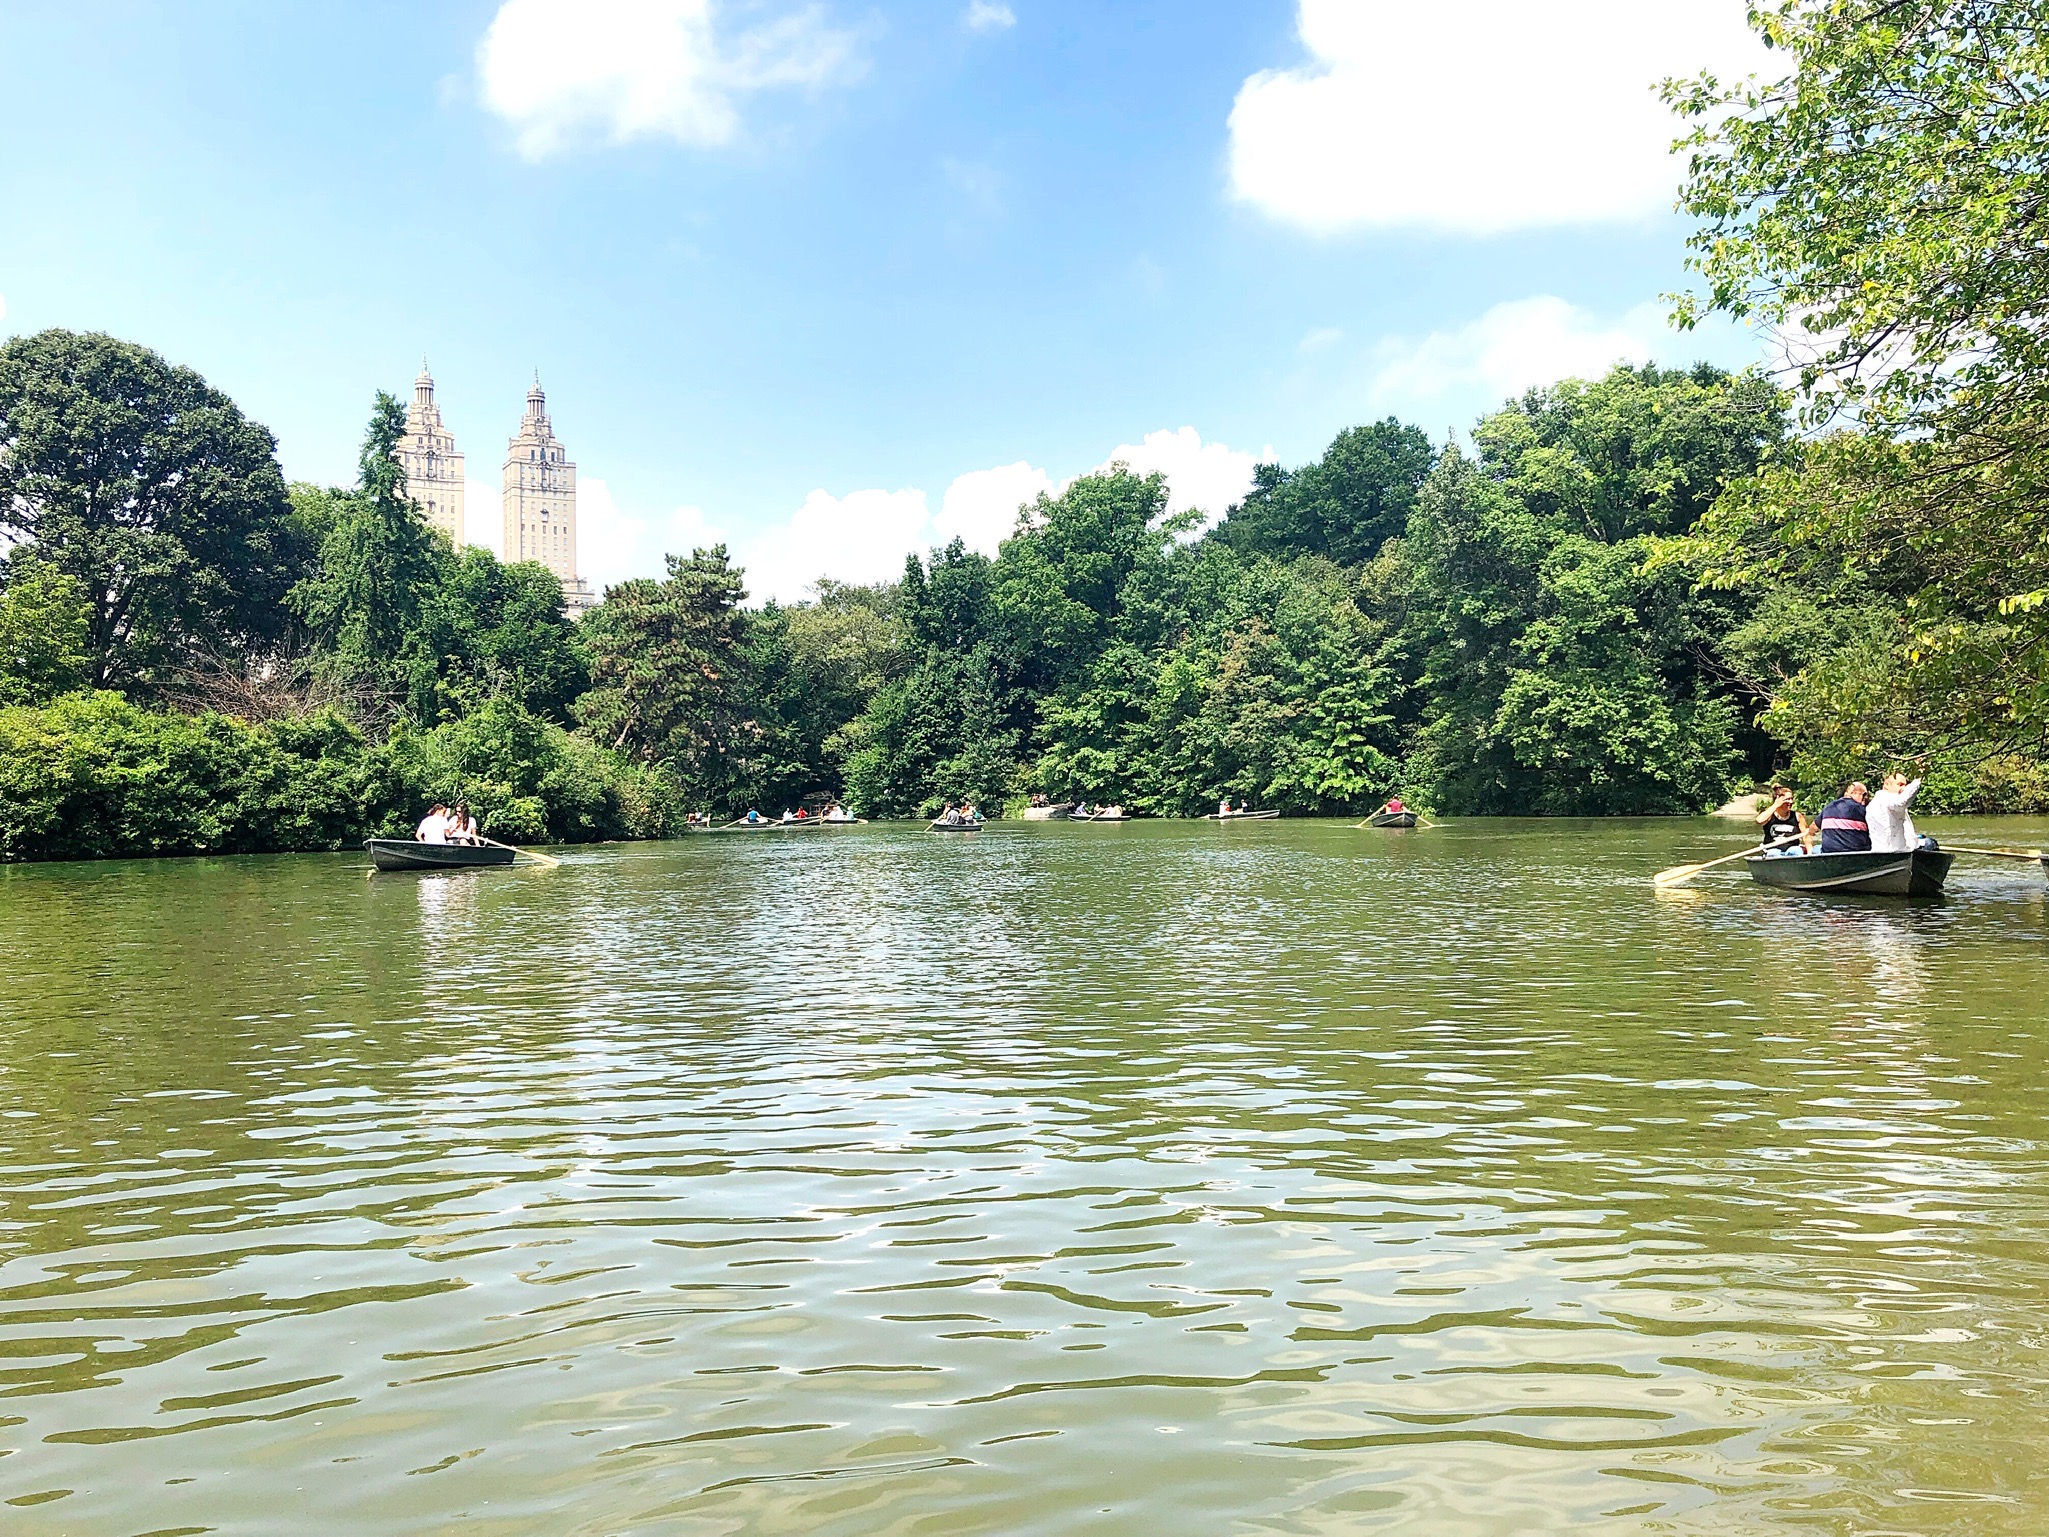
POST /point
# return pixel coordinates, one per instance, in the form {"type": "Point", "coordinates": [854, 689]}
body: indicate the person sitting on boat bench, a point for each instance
{"type": "Point", "coordinates": [462, 827]}
{"type": "Point", "coordinates": [1892, 829]}
{"type": "Point", "coordinates": [1844, 827]}
{"type": "Point", "coordinates": [1780, 823]}
{"type": "Point", "coordinates": [433, 826]}
{"type": "Point", "coordinates": [1394, 807]}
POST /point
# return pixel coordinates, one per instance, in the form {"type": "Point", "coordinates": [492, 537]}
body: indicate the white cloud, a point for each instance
{"type": "Point", "coordinates": [1540, 115]}
{"type": "Point", "coordinates": [860, 537]}
{"type": "Point", "coordinates": [1210, 476]}
{"type": "Point", "coordinates": [1512, 347]}
{"type": "Point", "coordinates": [864, 535]}
{"type": "Point", "coordinates": [981, 506]}
{"type": "Point", "coordinates": [1318, 339]}
{"type": "Point", "coordinates": [988, 16]}
{"type": "Point", "coordinates": [613, 545]}
{"type": "Point", "coordinates": [483, 515]}
{"type": "Point", "coordinates": [616, 70]}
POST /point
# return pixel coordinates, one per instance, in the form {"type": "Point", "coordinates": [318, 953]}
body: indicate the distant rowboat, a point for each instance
{"type": "Point", "coordinates": [941, 825]}
{"type": "Point", "coordinates": [1916, 873]}
{"type": "Point", "coordinates": [1392, 819]}
{"type": "Point", "coordinates": [1241, 816]}
{"type": "Point", "coordinates": [1101, 816]}
{"type": "Point", "coordinates": [406, 854]}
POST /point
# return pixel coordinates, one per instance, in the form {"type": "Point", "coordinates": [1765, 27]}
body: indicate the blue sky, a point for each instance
{"type": "Point", "coordinates": [833, 280]}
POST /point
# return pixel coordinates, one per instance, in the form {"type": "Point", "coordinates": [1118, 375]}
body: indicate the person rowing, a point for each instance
{"type": "Point", "coordinates": [1394, 807]}
{"type": "Point", "coordinates": [1779, 824]}
{"type": "Point", "coordinates": [433, 826]}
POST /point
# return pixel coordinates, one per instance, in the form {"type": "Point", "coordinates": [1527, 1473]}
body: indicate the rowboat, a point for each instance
{"type": "Point", "coordinates": [771, 825]}
{"type": "Point", "coordinates": [1916, 873]}
{"type": "Point", "coordinates": [405, 854]}
{"type": "Point", "coordinates": [941, 825]}
{"type": "Point", "coordinates": [1101, 816]}
{"type": "Point", "coordinates": [1392, 819]}
{"type": "Point", "coordinates": [1241, 816]}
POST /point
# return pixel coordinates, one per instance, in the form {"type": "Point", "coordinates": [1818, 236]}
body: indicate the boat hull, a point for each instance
{"type": "Point", "coordinates": [404, 854]}
{"type": "Point", "coordinates": [1242, 816]}
{"type": "Point", "coordinates": [956, 827]}
{"type": "Point", "coordinates": [1392, 819]}
{"type": "Point", "coordinates": [1918, 873]}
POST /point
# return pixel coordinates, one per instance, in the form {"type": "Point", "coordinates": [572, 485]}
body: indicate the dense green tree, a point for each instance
{"type": "Point", "coordinates": [500, 631]}
{"type": "Point", "coordinates": [152, 490]}
{"type": "Point", "coordinates": [1344, 506]}
{"type": "Point", "coordinates": [1881, 203]}
{"type": "Point", "coordinates": [45, 629]}
{"type": "Point", "coordinates": [1558, 673]}
{"type": "Point", "coordinates": [380, 567]}
{"type": "Point", "coordinates": [667, 663]}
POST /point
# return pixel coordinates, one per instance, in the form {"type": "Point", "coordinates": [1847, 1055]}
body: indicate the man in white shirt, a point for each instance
{"type": "Point", "coordinates": [1892, 829]}
{"type": "Point", "coordinates": [433, 827]}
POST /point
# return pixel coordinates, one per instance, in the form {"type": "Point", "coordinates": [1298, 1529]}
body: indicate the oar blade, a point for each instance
{"type": "Point", "coordinates": [1676, 874]}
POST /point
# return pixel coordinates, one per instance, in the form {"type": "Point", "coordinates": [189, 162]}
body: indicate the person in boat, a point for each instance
{"type": "Point", "coordinates": [462, 827]}
{"type": "Point", "coordinates": [433, 826]}
{"type": "Point", "coordinates": [1892, 827]}
{"type": "Point", "coordinates": [753, 816]}
{"type": "Point", "coordinates": [1394, 807]}
{"type": "Point", "coordinates": [968, 812]}
{"type": "Point", "coordinates": [1224, 807]}
{"type": "Point", "coordinates": [1779, 823]}
{"type": "Point", "coordinates": [1845, 829]}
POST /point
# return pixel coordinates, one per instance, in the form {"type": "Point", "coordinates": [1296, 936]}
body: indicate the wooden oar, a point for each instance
{"type": "Point", "coordinates": [1678, 873]}
{"type": "Point", "coordinates": [540, 859]}
{"type": "Point", "coordinates": [2033, 856]}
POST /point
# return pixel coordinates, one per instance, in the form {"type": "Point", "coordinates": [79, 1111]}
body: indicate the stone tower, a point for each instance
{"type": "Point", "coordinates": [433, 468]}
{"type": "Point", "coordinates": [540, 502]}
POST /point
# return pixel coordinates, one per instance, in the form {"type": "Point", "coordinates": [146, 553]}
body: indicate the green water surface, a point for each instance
{"type": "Point", "coordinates": [1163, 1178]}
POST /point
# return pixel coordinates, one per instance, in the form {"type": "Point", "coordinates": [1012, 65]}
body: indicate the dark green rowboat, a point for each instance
{"type": "Point", "coordinates": [1392, 819]}
{"type": "Point", "coordinates": [1918, 873]}
{"type": "Point", "coordinates": [405, 854]}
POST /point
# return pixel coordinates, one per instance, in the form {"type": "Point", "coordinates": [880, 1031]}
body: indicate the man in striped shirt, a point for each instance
{"type": "Point", "coordinates": [1844, 828]}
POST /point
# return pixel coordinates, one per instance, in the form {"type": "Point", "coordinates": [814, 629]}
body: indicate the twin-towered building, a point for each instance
{"type": "Point", "coordinates": [539, 497]}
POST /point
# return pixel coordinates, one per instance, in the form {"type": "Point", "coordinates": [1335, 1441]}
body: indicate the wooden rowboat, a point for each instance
{"type": "Point", "coordinates": [405, 854]}
{"type": "Point", "coordinates": [1241, 816]}
{"type": "Point", "coordinates": [941, 825]}
{"type": "Point", "coordinates": [1917, 873]}
{"type": "Point", "coordinates": [1103, 816]}
{"type": "Point", "coordinates": [1392, 819]}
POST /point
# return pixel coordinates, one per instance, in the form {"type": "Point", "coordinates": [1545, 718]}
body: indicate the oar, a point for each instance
{"type": "Point", "coordinates": [1678, 873]}
{"type": "Point", "coordinates": [541, 859]}
{"type": "Point", "coordinates": [2032, 856]}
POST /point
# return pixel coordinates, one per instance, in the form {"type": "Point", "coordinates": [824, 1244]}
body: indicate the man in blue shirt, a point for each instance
{"type": "Point", "coordinates": [1844, 829]}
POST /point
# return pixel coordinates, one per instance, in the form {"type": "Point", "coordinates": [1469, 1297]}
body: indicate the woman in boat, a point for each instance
{"type": "Point", "coordinates": [462, 827]}
{"type": "Point", "coordinates": [1779, 823]}
{"type": "Point", "coordinates": [433, 827]}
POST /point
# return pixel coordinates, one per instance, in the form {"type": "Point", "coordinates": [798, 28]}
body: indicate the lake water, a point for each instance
{"type": "Point", "coordinates": [1156, 1179]}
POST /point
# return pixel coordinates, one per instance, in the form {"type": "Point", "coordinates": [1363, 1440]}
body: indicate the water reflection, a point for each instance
{"type": "Point", "coordinates": [1035, 1183]}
